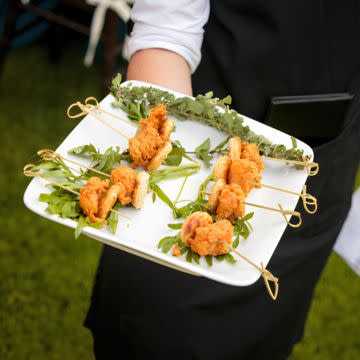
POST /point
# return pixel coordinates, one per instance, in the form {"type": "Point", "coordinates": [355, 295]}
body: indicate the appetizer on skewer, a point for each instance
{"type": "Point", "coordinates": [151, 145]}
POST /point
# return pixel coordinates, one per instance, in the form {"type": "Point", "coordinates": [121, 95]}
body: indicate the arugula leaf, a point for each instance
{"type": "Point", "coordinates": [175, 226]}
{"type": "Point", "coordinates": [162, 196]}
{"type": "Point", "coordinates": [114, 218]}
{"type": "Point", "coordinates": [203, 152]}
{"type": "Point", "coordinates": [175, 157]}
{"type": "Point", "coordinates": [82, 223]}
{"type": "Point", "coordinates": [167, 243]}
{"type": "Point", "coordinates": [220, 147]}
{"type": "Point", "coordinates": [229, 258]}
{"type": "Point", "coordinates": [242, 227]}
{"type": "Point", "coordinates": [209, 260]}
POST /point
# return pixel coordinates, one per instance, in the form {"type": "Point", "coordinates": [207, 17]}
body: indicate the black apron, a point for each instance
{"type": "Point", "coordinates": [252, 50]}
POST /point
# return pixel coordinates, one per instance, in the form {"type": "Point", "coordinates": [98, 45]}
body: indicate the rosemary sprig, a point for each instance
{"type": "Point", "coordinates": [137, 100]}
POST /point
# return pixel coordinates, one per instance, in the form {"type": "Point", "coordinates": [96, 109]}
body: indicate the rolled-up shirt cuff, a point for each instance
{"type": "Point", "coordinates": [186, 44]}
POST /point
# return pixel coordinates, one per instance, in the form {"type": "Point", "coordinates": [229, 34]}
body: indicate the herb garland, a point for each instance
{"type": "Point", "coordinates": [137, 100]}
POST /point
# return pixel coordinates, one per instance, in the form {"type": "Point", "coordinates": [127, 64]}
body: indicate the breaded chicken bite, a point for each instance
{"type": "Point", "coordinates": [244, 173]}
{"type": "Point", "coordinates": [192, 222]}
{"type": "Point", "coordinates": [143, 146]}
{"type": "Point", "coordinates": [230, 203]}
{"type": "Point", "coordinates": [250, 152]}
{"type": "Point", "coordinates": [127, 177]}
{"type": "Point", "coordinates": [155, 118]}
{"type": "Point", "coordinates": [213, 239]}
{"type": "Point", "coordinates": [91, 195]}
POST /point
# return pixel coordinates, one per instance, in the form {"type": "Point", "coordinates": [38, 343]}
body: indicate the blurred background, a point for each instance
{"type": "Point", "coordinates": [46, 276]}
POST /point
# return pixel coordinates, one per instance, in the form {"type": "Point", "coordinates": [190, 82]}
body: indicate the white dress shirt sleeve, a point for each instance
{"type": "Point", "coordinates": [175, 25]}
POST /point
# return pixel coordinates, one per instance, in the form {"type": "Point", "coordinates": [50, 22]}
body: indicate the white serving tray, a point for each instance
{"type": "Point", "coordinates": [141, 235]}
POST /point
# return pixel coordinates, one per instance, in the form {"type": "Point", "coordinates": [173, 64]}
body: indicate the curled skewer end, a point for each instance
{"type": "Point", "coordinates": [29, 170]}
{"type": "Point", "coordinates": [47, 154]}
{"type": "Point", "coordinates": [268, 278]}
{"type": "Point", "coordinates": [312, 168]}
{"type": "Point", "coordinates": [309, 201]}
{"type": "Point", "coordinates": [292, 213]}
{"type": "Point", "coordinates": [79, 105]}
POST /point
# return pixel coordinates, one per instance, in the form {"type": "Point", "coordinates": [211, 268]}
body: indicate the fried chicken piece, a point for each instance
{"type": "Point", "coordinates": [127, 177]}
{"type": "Point", "coordinates": [244, 173]}
{"type": "Point", "coordinates": [251, 152]}
{"type": "Point", "coordinates": [221, 168]}
{"type": "Point", "coordinates": [166, 129]}
{"type": "Point", "coordinates": [155, 118]}
{"type": "Point", "coordinates": [143, 146]}
{"type": "Point", "coordinates": [109, 200]}
{"type": "Point", "coordinates": [160, 155]}
{"type": "Point", "coordinates": [231, 203]}
{"type": "Point", "coordinates": [91, 195]}
{"type": "Point", "coordinates": [140, 190]}
{"type": "Point", "coordinates": [235, 148]}
{"type": "Point", "coordinates": [213, 200]}
{"type": "Point", "coordinates": [192, 222]}
{"type": "Point", "coordinates": [151, 144]}
{"type": "Point", "coordinates": [213, 239]}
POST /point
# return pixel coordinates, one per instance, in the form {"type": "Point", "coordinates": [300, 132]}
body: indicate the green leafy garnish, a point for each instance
{"type": "Point", "coordinates": [206, 109]}
{"type": "Point", "coordinates": [203, 152]}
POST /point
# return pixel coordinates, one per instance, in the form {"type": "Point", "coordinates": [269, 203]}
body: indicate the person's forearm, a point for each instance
{"type": "Point", "coordinates": [160, 67]}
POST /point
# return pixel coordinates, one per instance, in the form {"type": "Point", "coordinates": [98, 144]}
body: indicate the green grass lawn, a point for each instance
{"type": "Point", "coordinates": [46, 275]}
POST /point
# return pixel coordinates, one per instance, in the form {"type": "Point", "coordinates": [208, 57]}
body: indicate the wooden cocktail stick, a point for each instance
{"type": "Point", "coordinates": [266, 274]}
{"type": "Point", "coordinates": [296, 214]}
{"type": "Point", "coordinates": [92, 103]}
{"type": "Point", "coordinates": [49, 155]}
{"type": "Point", "coordinates": [309, 201]}
{"type": "Point", "coordinates": [29, 172]}
{"type": "Point", "coordinates": [90, 109]}
{"type": "Point", "coordinates": [312, 168]}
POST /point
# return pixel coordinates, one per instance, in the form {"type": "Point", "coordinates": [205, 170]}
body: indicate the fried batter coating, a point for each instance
{"type": "Point", "coordinates": [152, 140]}
{"type": "Point", "coordinates": [231, 203]}
{"type": "Point", "coordinates": [235, 148]}
{"type": "Point", "coordinates": [244, 173]}
{"type": "Point", "coordinates": [140, 190]}
{"type": "Point", "coordinates": [143, 146]}
{"type": "Point", "coordinates": [251, 152]}
{"type": "Point", "coordinates": [221, 168]}
{"type": "Point", "coordinates": [192, 222]}
{"type": "Point", "coordinates": [160, 155]}
{"type": "Point", "coordinates": [213, 200]}
{"type": "Point", "coordinates": [155, 118]}
{"type": "Point", "coordinates": [91, 195]}
{"type": "Point", "coordinates": [213, 239]}
{"type": "Point", "coordinates": [127, 177]}
{"type": "Point", "coordinates": [109, 200]}
{"type": "Point", "coordinates": [166, 129]}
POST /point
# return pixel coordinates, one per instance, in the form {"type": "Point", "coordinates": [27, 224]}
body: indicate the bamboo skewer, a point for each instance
{"type": "Point", "coordinates": [49, 155]}
{"type": "Point", "coordinates": [28, 171]}
{"type": "Point", "coordinates": [294, 213]}
{"type": "Point", "coordinates": [266, 274]}
{"type": "Point", "coordinates": [89, 109]}
{"type": "Point", "coordinates": [92, 103]}
{"type": "Point", "coordinates": [312, 168]}
{"type": "Point", "coordinates": [309, 201]}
